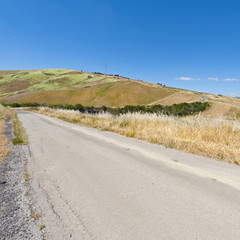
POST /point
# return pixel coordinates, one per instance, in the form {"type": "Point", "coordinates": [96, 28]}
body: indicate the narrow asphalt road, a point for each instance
{"type": "Point", "coordinates": [88, 184]}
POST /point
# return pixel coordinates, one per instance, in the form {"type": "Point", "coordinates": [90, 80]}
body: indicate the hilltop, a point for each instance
{"type": "Point", "coordinates": [65, 86]}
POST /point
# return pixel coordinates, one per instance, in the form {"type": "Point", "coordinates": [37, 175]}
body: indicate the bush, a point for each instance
{"type": "Point", "coordinates": [182, 109]}
{"type": "Point", "coordinates": [104, 108]}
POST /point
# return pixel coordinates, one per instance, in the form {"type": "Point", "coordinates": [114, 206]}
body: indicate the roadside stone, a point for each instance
{"type": "Point", "coordinates": [15, 214]}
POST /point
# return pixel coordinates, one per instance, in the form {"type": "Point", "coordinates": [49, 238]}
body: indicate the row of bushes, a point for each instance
{"type": "Point", "coordinates": [77, 107]}
{"type": "Point", "coordinates": [182, 109]}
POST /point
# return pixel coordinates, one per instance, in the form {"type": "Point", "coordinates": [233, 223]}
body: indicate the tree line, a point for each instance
{"type": "Point", "coordinates": [181, 109]}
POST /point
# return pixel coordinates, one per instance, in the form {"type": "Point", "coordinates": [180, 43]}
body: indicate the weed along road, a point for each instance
{"type": "Point", "coordinates": [88, 184]}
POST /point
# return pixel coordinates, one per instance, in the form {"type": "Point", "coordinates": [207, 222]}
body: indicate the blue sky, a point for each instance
{"type": "Point", "coordinates": [191, 44]}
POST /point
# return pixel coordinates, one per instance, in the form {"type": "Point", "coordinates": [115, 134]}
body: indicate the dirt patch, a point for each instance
{"type": "Point", "coordinates": [75, 72]}
{"type": "Point", "coordinates": [218, 109]}
{"type": "Point", "coordinates": [179, 98]}
{"type": "Point", "coordinates": [60, 80]}
{"type": "Point", "coordinates": [17, 86]}
{"type": "Point", "coordinates": [48, 74]}
{"type": "Point", "coordinates": [19, 97]}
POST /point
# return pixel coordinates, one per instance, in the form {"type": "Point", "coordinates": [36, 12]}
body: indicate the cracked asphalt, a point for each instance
{"type": "Point", "coordinates": [89, 184]}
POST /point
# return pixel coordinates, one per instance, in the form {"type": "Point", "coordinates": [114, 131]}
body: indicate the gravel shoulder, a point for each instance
{"type": "Point", "coordinates": [15, 208]}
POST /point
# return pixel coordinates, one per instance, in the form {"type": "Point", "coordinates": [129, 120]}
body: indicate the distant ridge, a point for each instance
{"type": "Point", "coordinates": [66, 86]}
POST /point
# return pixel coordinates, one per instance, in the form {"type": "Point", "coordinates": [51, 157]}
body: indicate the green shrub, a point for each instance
{"type": "Point", "coordinates": [182, 109]}
{"type": "Point", "coordinates": [17, 141]}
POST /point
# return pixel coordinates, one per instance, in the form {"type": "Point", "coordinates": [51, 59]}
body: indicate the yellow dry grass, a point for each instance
{"type": "Point", "coordinates": [4, 149]}
{"type": "Point", "coordinates": [217, 110]}
{"type": "Point", "coordinates": [222, 105]}
{"type": "Point", "coordinates": [19, 132]}
{"type": "Point", "coordinates": [216, 138]}
{"type": "Point", "coordinates": [177, 98]}
{"type": "Point", "coordinates": [108, 94]}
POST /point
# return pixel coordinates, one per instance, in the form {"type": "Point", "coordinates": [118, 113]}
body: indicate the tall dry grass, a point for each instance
{"type": "Point", "coordinates": [4, 149]}
{"type": "Point", "coordinates": [216, 138]}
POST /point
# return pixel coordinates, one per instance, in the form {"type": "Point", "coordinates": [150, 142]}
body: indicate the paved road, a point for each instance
{"type": "Point", "coordinates": [89, 184]}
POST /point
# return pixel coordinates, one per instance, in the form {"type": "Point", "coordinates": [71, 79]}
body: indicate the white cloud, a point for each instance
{"type": "Point", "coordinates": [232, 94]}
{"type": "Point", "coordinates": [187, 78]}
{"type": "Point", "coordinates": [231, 80]}
{"type": "Point", "coordinates": [215, 79]}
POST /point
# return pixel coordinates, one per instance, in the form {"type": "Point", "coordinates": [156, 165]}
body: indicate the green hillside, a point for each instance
{"type": "Point", "coordinates": [48, 79]}
{"type": "Point", "coordinates": [65, 86]}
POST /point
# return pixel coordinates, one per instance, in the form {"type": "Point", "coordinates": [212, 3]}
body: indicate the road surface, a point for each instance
{"type": "Point", "coordinates": [89, 184]}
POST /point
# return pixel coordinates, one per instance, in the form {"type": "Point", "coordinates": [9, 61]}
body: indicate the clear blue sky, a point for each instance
{"type": "Point", "coordinates": [192, 44]}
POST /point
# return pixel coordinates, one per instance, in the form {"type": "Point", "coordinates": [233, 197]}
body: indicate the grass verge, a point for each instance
{"type": "Point", "coordinates": [42, 226]}
{"type": "Point", "coordinates": [26, 176]}
{"type": "Point", "coordinates": [19, 131]}
{"type": "Point", "coordinates": [216, 138]}
{"type": "Point", "coordinates": [4, 149]}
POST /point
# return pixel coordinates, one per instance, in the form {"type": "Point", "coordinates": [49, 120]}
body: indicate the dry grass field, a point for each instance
{"type": "Point", "coordinates": [216, 138]}
{"type": "Point", "coordinates": [108, 94]}
{"type": "Point", "coordinates": [222, 105]}
{"type": "Point", "coordinates": [179, 97]}
{"type": "Point", "coordinates": [4, 149]}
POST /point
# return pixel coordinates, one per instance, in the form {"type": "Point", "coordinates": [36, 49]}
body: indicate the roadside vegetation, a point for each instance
{"type": "Point", "coordinates": [182, 109]}
{"type": "Point", "coordinates": [4, 149]}
{"type": "Point", "coordinates": [19, 132]}
{"type": "Point", "coordinates": [216, 138]}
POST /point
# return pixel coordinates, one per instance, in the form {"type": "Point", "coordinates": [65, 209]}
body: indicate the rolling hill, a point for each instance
{"type": "Point", "coordinates": [65, 86]}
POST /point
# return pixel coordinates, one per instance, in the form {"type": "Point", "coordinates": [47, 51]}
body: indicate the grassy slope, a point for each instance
{"type": "Point", "coordinates": [109, 94]}
{"type": "Point", "coordinates": [222, 105]}
{"type": "Point", "coordinates": [68, 86]}
{"type": "Point", "coordinates": [49, 79]}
